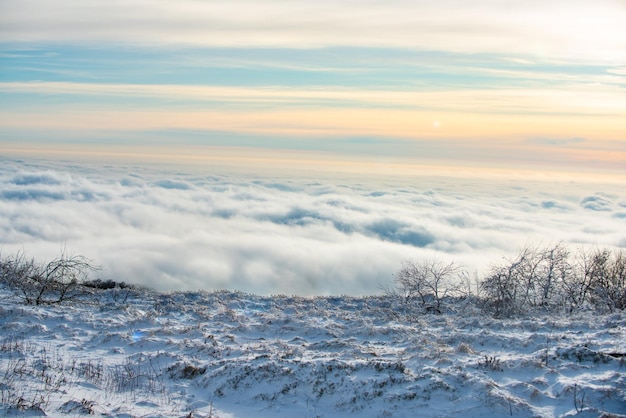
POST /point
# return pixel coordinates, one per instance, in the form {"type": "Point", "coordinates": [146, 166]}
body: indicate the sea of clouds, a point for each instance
{"type": "Point", "coordinates": [172, 229]}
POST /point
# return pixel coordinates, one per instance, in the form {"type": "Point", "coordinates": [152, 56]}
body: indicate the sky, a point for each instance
{"type": "Point", "coordinates": [493, 95]}
{"type": "Point", "coordinates": [494, 83]}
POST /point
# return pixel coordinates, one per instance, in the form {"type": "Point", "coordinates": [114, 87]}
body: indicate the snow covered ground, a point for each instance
{"type": "Point", "coordinates": [226, 354]}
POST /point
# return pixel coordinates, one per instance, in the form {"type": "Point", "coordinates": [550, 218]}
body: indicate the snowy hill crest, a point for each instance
{"type": "Point", "coordinates": [225, 354]}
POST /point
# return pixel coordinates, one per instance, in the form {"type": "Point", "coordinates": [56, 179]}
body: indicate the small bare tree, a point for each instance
{"type": "Point", "coordinates": [554, 273]}
{"type": "Point", "coordinates": [608, 282]}
{"type": "Point", "coordinates": [535, 278]}
{"type": "Point", "coordinates": [55, 282]}
{"type": "Point", "coordinates": [617, 288]}
{"type": "Point", "coordinates": [503, 285]}
{"type": "Point", "coordinates": [587, 266]}
{"type": "Point", "coordinates": [430, 280]}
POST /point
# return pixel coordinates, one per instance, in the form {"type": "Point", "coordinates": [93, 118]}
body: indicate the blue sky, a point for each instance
{"type": "Point", "coordinates": [538, 85]}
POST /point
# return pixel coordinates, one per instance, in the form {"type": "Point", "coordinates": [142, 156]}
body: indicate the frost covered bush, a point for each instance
{"type": "Point", "coordinates": [535, 278]}
{"type": "Point", "coordinates": [57, 281]}
{"type": "Point", "coordinates": [538, 279]}
{"type": "Point", "coordinates": [551, 279]}
{"type": "Point", "coordinates": [604, 279]}
{"type": "Point", "coordinates": [430, 281]}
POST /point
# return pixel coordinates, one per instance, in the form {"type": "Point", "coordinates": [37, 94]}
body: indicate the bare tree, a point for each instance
{"type": "Point", "coordinates": [554, 273]}
{"type": "Point", "coordinates": [54, 282]}
{"type": "Point", "coordinates": [617, 292]}
{"type": "Point", "coordinates": [504, 284]}
{"type": "Point", "coordinates": [409, 280]}
{"type": "Point", "coordinates": [430, 280]}
{"type": "Point", "coordinates": [534, 279]}
{"type": "Point", "coordinates": [599, 280]}
{"type": "Point", "coordinates": [549, 280]}
{"type": "Point", "coordinates": [608, 281]}
{"type": "Point", "coordinates": [587, 266]}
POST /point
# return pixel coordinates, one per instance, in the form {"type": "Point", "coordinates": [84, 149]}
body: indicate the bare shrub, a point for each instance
{"type": "Point", "coordinates": [54, 282]}
{"type": "Point", "coordinates": [502, 286]}
{"type": "Point", "coordinates": [491, 363]}
{"type": "Point", "coordinates": [534, 279]}
{"type": "Point", "coordinates": [589, 267]}
{"type": "Point", "coordinates": [607, 281]}
{"type": "Point", "coordinates": [550, 279]}
{"type": "Point", "coordinates": [599, 280]}
{"type": "Point", "coordinates": [430, 281]}
{"type": "Point", "coordinates": [554, 271]}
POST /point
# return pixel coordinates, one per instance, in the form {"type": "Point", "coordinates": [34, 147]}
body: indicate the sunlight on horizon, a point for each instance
{"type": "Point", "coordinates": [312, 164]}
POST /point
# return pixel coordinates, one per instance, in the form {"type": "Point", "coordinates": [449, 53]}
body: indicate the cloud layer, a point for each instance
{"type": "Point", "coordinates": [175, 230]}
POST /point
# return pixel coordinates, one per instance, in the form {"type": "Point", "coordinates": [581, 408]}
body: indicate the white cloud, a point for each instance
{"type": "Point", "coordinates": [271, 235]}
{"type": "Point", "coordinates": [617, 71]}
{"type": "Point", "coordinates": [550, 28]}
{"type": "Point", "coordinates": [576, 99]}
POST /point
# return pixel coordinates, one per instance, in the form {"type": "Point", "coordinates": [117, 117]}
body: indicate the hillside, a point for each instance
{"type": "Point", "coordinates": [145, 354]}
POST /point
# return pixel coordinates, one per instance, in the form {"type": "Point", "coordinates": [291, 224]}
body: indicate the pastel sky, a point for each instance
{"type": "Point", "coordinates": [495, 83]}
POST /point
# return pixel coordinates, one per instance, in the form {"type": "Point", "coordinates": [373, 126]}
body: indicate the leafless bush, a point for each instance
{"type": "Point", "coordinates": [604, 279]}
{"type": "Point", "coordinates": [550, 279]}
{"type": "Point", "coordinates": [24, 364]}
{"type": "Point", "coordinates": [57, 281]}
{"type": "Point", "coordinates": [540, 279]}
{"type": "Point", "coordinates": [491, 363]}
{"type": "Point", "coordinates": [430, 281]}
{"type": "Point", "coordinates": [535, 278]}
{"type": "Point", "coordinates": [137, 376]}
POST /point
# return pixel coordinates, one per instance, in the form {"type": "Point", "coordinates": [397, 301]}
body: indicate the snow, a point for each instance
{"type": "Point", "coordinates": [227, 354]}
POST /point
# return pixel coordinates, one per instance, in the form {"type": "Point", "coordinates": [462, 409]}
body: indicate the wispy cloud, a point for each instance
{"type": "Point", "coordinates": [577, 100]}
{"type": "Point", "coordinates": [550, 28]}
